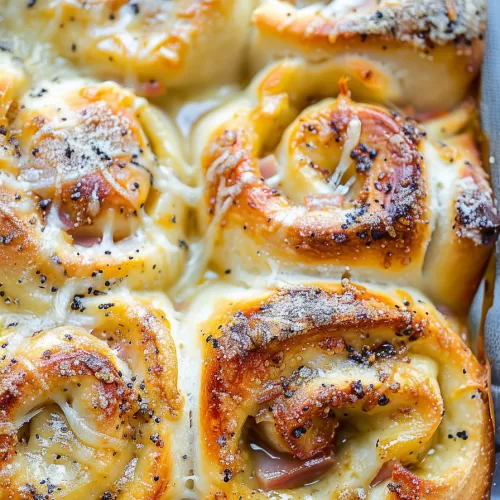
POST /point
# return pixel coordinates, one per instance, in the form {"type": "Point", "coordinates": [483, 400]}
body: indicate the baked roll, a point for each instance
{"type": "Point", "coordinates": [150, 45]}
{"type": "Point", "coordinates": [88, 193]}
{"type": "Point", "coordinates": [336, 391]}
{"type": "Point", "coordinates": [341, 186]}
{"type": "Point", "coordinates": [405, 45]}
{"type": "Point", "coordinates": [94, 410]}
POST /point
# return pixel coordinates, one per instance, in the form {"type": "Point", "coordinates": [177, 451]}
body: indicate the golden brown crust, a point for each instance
{"type": "Point", "coordinates": [390, 205]}
{"type": "Point", "coordinates": [116, 395]}
{"type": "Point", "coordinates": [423, 24]}
{"type": "Point", "coordinates": [263, 355]}
{"type": "Point", "coordinates": [411, 43]}
{"type": "Point", "coordinates": [354, 186]}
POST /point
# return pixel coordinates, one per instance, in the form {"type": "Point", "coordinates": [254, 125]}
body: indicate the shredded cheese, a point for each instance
{"type": "Point", "coordinates": [352, 140]}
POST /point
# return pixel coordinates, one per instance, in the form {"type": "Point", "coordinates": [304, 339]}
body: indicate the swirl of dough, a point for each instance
{"type": "Point", "coordinates": [336, 391]}
{"type": "Point", "coordinates": [92, 414]}
{"type": "Point", "coordinates": [87, 194]}
{"type": "Point", "coordinates": [294, 187]}
{"type": "Point", "coordinates": [411, 43]}
{"type": "Point", "coordinates": [150, 45]}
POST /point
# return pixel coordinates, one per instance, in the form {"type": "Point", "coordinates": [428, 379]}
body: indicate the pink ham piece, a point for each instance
{"type": "Point", "coordinates": [86, 241]}
{"type": "Point", "coordinates": [152, 88]}
{"type": "Point", "coordinates": [66, 222]}
{"type": "Point", "coordinates": [280, 471]}
{"type": "Point", "coordinates": [268, 166]}
{"type": "Point", "coordinates": [384, 473]}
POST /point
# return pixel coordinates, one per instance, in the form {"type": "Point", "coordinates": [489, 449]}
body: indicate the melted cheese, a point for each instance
{"type": "Point", "coordinates": [352, 140]}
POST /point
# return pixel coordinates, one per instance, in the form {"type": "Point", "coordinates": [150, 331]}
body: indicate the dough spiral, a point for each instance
{"type": "Point", "coordinates": [92, 410]}
{"type": "Point", "coordinates": [336, 391]}
{"type": "Point", "coordinates": [150, 45]}
{"type": "Point", "coordinates": [293, 187]}
{"type": "Point", "coordinates": [87, 195]}
{"type": "Point", "coordinates": [406, 44]}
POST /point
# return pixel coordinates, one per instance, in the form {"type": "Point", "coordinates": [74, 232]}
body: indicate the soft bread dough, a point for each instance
{"type": "Point", "coordinates": [294, 188]}
{"type": "Point", "coordinates": [403, 388]}
{"type": "Point", "coordinates": [87, 191]}
{"type": "Point", "coordinates": [412, 43]}
{"type": "Point", "coordinates": [151, 45]}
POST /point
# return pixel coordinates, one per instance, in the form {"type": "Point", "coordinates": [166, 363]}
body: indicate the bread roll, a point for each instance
{"type": "Point", "coordinates": [336, 391]}
{"type": "Point", "coordinates": [150, 45]}
{"type": "Point", "coordinates": [408, 45]}
{"type": "Point", "coordinates": [92, 409]}
{"type": "Point", "coordinates": [300, 180]}
{"type": "Point", "coordinates": [87, 191]}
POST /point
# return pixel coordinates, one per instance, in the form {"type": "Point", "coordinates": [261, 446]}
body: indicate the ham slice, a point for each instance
{"type": "Point", "coordinates": [268, 166]}
{"type": "Point", "coordinates": [86, 241]}
{"type": "Point", "coordinates": [279, 471]}
{"type": "Point", "coordinates": [82, 240]}
{"type": "Point", "coordinates": [384, 473]}
{"type": "Point", "coordinates": [152, 88]}
{"type": "Point", "coordinates": [66, 222]}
